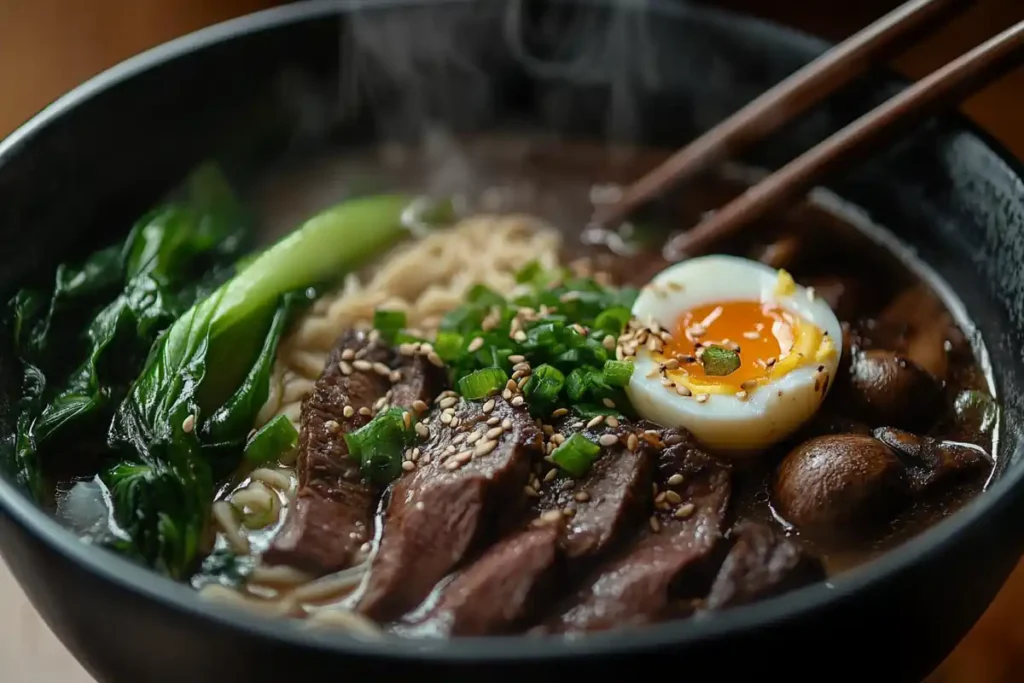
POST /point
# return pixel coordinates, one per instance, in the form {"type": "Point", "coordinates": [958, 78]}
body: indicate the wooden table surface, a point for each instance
{"type": "Point", "coordinates": [49, 46]}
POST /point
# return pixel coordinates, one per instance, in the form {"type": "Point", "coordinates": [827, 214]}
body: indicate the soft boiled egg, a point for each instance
{"type": "Point", "coordinates": [732, 350]}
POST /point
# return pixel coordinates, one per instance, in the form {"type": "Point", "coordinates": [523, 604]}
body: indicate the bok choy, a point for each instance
{"type": "Point", "coordinates": [187, 415]}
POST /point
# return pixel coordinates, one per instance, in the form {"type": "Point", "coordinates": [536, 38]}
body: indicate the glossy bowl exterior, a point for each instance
{"type": "Point", "coordinates": [84, 168]}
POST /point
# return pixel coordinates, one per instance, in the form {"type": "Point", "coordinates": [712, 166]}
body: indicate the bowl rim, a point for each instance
{"type": "Point", "coordinates": [182, 599]}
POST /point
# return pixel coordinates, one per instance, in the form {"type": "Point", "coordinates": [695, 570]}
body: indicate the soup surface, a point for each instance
{"type": "Point", "coordinates": [506, 422]}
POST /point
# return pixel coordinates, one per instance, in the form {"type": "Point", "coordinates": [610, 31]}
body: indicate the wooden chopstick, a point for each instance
{"type": "Point", "coordinates": [947, 86]}
{"type": "Point", "coordinates": [787, 99]}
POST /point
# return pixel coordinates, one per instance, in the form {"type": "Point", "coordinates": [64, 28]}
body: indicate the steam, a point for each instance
{"type": "Point", "coordinates": [426, 74]}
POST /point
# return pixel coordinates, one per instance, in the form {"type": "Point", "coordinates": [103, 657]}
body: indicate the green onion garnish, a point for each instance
{"type": "Point", "coordinates": [482, 383]}
{"type": "Point", "coordinates": [576, 455]}
{"type": "Point", "coordinates": [719, 361]}
{"type": "Point", "coordinates": [379, 444]}
{"type": "Point", "coordinates": [388, 323]}
{"type": "Point", "coordinates": [618, 372]}
{"type": "Point", "coordinates": [273, 440]}
{"type": "Point", "coordinates": [543, 387]}
{"type": "Point", "coordinates": [448, 345]}
{"type": "Point", "coordinates": [613, 320]}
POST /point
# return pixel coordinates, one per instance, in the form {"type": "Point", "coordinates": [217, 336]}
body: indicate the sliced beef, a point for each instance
{"type": "Point", "coordinates": [503, 589]}
{"type": "Point", "coordinates": [571, 523]}
{"type": "Point", "coordinates": [762, 563]}
{"type": "Point", "coordinates": [636, 586]}
{"type": "Point", "coordinates": [331, 517]}
{"type": "Point", "coordinates": [471, 473]}
{"type": "Point", "coordinates": [612, 498]}
{"type": "Point", "coordinates": [930, 461]}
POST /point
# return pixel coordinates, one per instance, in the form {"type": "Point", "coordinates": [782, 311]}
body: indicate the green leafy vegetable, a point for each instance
{"type": "Point", "coordinates": [106, 313]}
{"type": "Point", "coordinates": [225, 568]}
{"type": "Point", "coordinates": [378, 446]}
{"type": "Point", "coordinates": [719, 361]}
{"type": "Point", "coordinates": [576, 454]}
{"type": "Point", "coordinates": [211, 361]}
{"type": "Point", "coordinates": [273, 440]}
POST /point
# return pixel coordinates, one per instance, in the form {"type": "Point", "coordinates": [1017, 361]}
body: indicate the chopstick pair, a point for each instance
{"type": "Point", "coordinates": [811, 84]}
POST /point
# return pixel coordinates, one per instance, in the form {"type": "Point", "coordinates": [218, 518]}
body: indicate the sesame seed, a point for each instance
{"type": "Point", "coordinates": [345, 368]}
{"type": "Point", "coordinates": [612, 421]}
{"type": "Point", "coordinates": [446, 418]}
{"type": "Point", "coordinates": [518, 401]}
{"type": "Point", "coordinates": [381, 369]}
{"type": "Point", "coordinates": [421, 430]}
{"type": "Point", "coordinates": [560, 412]}
{"type": "Point", "coordinates": [408, 465]}
{"type": "Point", "coordinates": [608, 440]}
{"type": "Point", "coordinates": [516, 358]}
{"type": "Point", "coordinates": [667, 383]}
{"type": "Point", "coordinates": [608, 342]}
{"type": "Point", "coordinates": [484, 447]}
{"type": "Point", "coordinates": [493, 421]}
{"type": "Point", "coordinates": [749, 384]}
{"type": "Point", "coordinates": [332, 426]}
{"type": "Point", "coordinates": [475, 345]}
{"type": "Point", "coordinates": [558, 439]}
{"type": "Point", "coordinates": [675, 480]}
{"type": "Point", "coordinates": [489, 406]}
{"type": "Point", "coordinates": [474, 437]}
{"type": "Point", "coordinates": [452, 465]}
{"type": "Point", "coordinates": [505, 424]}
{"type": "Point", "coordinates": [506, 394]}
{"type": "Point", "coordinates": [519, 336]}
{"type": "Point", "coordinates": [741, 395]}
{"type": "Point", "coordinates": [595, 421]}
{"type": "Point", "coordinates": [365, 411]}
{"type": "Point", "coordinates": [550, 476]}
{"type": "Point", "coordinates": [464, 456]}
{"type": "Point", "coordinates": [448, 402]}
{"type": "Point", "coordinates": [435, 359]}
{"type": "Point", "coordinates": [494, 433]}
{"type": "Point", "coordinates": [702, 398]}
{"type": "Point", "coordinates": [348, 354]}
{"type": "Point", "coordinates": [673, 497]}
{"type": "Point", "coordinates": [608, 402]}
{"type": "Point", "coordinates": [419, 406]}
{"type": "Point", "coordinates": [672, 364]}
{"type": "Point", "coordinates": [582, 496]}
{"type": "Point", "coordinates": [552, 516]}
{"type": "Point", "coordinates": [683, 390]}
{"type": "Point", "coordinates": [362, 365]}
{"type": "Point", "coordinates": [531, 492]}
{"type": "Point", "coordinates": [407, 419]}
{"type": "Point", "coordinates": [632, 443]}
{"type": "Point", "coordinates": [395, 376]}
{"type": "Point", "coordinates": [654, 373]}
{"type": "Point", "coordinates": [189, 424]}
{"type": "Point", "coordinates": [655, 524]}
{"type": "Point", "coordinates": [685, 510]}
{"type": "Point", "coordinates": [348, 411]}
{"type": "Point", "coordinates": [751, 335]}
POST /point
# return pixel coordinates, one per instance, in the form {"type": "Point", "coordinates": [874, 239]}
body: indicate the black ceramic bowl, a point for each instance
{"type": "Point", "coordinates": [84, 168]}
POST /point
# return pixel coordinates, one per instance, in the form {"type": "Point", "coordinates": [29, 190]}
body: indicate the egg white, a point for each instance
{"type": "Point", "coordinates": [725, 422]}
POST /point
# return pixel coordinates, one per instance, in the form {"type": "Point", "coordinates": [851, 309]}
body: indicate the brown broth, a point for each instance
{"type": "Point", "coordinates": [557, 181]}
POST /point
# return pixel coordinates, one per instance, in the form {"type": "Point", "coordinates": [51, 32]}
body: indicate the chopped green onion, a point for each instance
{"type": "Point", "coordinates": [529, 273]}
{"type": "Point", "coordinates": [481, 295]}
{"type": "Point", "coordinates": [482, 383]}
{"type": "Point", "coordinates": [613, 320]}
{"type": "Point", "coordinates": [448, 345]}
{"type": "Point", "coordinates": [274, 439]}
{"type": "Point", "coordinates": [719, 361]}
{"type": "Point", "coordinates": [576, 454]}
{"type": "Point", "coordinates": [379, 444]}
{"type": "Point", "coordinates": [388, 323]}
{"type": "Point", "coordinates": [588, 411]}
{"type": "Point", "coordinates": [576, 384]}
{"type": "Point", "coordinates": [543, 387]}
{"type": "Point", "coordinates": [618, 372]}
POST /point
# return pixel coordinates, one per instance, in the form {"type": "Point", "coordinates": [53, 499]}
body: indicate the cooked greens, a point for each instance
{"type": "Point", "coordinates": [160, 350]}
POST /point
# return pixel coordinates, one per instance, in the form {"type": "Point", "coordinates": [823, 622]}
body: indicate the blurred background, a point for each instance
{"type": "Point", "coordinates": [49, 46]}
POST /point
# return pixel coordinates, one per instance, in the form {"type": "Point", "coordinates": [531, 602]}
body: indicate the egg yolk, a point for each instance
{"type": "Point", "coordinates": [769, 341]}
